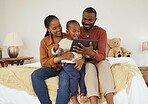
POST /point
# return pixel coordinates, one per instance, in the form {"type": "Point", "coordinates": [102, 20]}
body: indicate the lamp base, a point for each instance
{"type": "Point", "coordinates": [13, 51]}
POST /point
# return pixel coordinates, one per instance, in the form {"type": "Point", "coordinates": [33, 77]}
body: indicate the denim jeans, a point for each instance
{"type": "Point", "coordinates": [38, 81]}
{"type": "Point", "coordinates": [76, 77]}
{"type": "Point", "coordinates": [63, 90]}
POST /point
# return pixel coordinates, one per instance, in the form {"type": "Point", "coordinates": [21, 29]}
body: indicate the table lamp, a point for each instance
{"type": "Point", "coordinates": [145, 46]}
{"type": "Point", "coordinates": [13, 40]}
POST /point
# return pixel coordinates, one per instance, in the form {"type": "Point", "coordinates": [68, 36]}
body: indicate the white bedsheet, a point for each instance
{"type": "Point", "coordinates": [138, 92]}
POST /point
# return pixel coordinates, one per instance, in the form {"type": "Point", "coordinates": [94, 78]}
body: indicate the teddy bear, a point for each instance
{"type": "Point", "coordinates": [116, 50]}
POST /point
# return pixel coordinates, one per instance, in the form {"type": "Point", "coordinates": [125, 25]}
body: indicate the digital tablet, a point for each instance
{"type": "Point", "coordinates": [85, 43]}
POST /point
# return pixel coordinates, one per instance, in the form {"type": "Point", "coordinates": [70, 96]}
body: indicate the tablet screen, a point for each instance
{"type": "Point", "coordinates": [84, 42]}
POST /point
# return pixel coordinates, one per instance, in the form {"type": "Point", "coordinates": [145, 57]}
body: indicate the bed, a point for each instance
{"type": "Point", "coordinates": [136, 93]}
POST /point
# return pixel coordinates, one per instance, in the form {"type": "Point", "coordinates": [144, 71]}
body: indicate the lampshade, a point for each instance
{"type": "Point", "coordinates": [12, 39]}
{"type": "Point", "coordinates": [145, 46]}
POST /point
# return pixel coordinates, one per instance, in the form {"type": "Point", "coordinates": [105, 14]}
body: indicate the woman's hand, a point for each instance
{"type": "Point", "coordinates": [79, 63]}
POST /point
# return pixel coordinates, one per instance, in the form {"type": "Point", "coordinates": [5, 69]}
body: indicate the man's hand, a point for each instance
{"type": "Point", "coordinates": [79, 64]}
{"type": "Point", "coordinates": [85, 50]}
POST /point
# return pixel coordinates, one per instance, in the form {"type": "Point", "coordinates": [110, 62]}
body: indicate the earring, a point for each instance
{"type": "Point", "coordinates": [49, 33]}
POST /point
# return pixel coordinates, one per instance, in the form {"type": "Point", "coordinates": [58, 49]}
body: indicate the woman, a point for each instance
{"type": "Point", "coordinates": [51, 65]}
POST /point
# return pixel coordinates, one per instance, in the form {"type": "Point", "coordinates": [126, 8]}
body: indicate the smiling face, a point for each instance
{"type": "Point", "coordinates": [55, 28]}
{"type": "Point", "coordinates": [88, 20]}
{"type": "Point", "coordinates": [73, 30]}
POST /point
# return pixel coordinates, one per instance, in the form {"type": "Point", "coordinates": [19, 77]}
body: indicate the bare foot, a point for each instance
{"type": "Point", "coordinates": [74, 100]}
{"type": "Point", "coordinates": [83, 98]}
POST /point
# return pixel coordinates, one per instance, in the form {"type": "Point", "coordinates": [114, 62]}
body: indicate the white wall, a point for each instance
{"type": "Point", "coordinates": [127, 19]}
{"type": "Point", "coordinates": [1, 22]}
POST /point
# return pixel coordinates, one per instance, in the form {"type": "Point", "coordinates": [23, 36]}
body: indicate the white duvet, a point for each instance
{"type": "Point", "coordinates": [138, 93]}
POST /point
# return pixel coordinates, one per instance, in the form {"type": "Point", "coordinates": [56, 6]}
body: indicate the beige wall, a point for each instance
{"type": "Point", "coordinates": [125, 19]}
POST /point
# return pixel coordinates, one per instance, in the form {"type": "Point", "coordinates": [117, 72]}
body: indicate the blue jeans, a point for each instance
{"type": "Point", "coordinates": [76, 77]}
{"type": "Point", "coordinates": [38, 81]}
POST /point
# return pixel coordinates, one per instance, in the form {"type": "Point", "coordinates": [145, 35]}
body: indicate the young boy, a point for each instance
{"type": "Point", "coordinates": [74, 67]}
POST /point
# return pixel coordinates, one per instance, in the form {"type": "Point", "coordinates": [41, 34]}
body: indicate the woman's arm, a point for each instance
{"type": "Point", "coordinates": [64, 56]}
{"type": "Point", "coordinates": [46, 57]}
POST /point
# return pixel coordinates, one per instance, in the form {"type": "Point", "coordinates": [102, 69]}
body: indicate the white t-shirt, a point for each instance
{"type": "Point", "coordinates": [65, 44]}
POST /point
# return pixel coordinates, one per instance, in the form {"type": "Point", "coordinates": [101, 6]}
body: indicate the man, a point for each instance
{"type": "Point", "coordinates": [96, 66]}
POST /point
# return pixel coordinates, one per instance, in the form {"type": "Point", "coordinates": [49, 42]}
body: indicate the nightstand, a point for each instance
{"type": "Point", "coordinates": [144, 71]}
{"type": "Point", "coordinates": [18, 61]}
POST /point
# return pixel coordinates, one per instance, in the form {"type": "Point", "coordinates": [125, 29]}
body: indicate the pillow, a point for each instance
{"type": "Point", "coordinates": [107, 49]}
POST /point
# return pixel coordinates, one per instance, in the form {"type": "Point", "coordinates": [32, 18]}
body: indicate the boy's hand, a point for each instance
{"type": "Point", "coordinates": [67, 56]}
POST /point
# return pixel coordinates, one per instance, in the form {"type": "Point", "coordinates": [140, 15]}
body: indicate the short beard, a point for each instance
{"type": "Point", "coordinates": [87, 29]}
